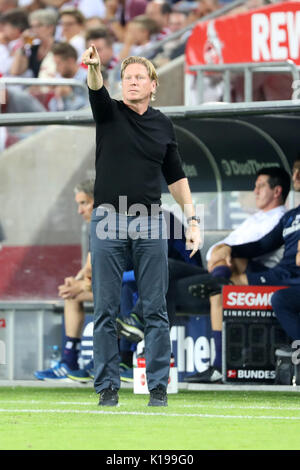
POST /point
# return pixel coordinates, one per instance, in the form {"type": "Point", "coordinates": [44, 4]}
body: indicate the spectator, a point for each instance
{"type": "Point", "coordinates": [95, 22]}
{"type": "Point", "coordinates": [120, 12]}
{"type": "Point", "coordinates": [138, 37]}
{"type": "Point", "coordinates": [68, 98]}
{"type": "Point", "coordinates": [37, 43]}
{"type": "Point", "coordinates": [88, 8]}
{"type": "Point", "coordinates": [159, 11]}
{"type": "Point", "coordinates": [271, 190]}
{"type": "Point", "coordinates": [7, 5]}
{"type": "Point", "coordinates": [204, 7]}
{"type": "Point", "coordinates": [174, 47]}
{"type": "Point", "coordinates": [177, 21]}
{"type": "Point", "coordinates": [20, 101]}
{"type": "Point", "coordinates": [72, 24]}
{"type": "Point", "coordinates": [13, 24]}
{"type": "Point", "coordinates": [133, 8]}
{"type": "Point", "coordinates": [113, 19]}
{"type": "Point", "coordinates": [74, 291]}
{"type": "Point", "coordinates": [17, 101]}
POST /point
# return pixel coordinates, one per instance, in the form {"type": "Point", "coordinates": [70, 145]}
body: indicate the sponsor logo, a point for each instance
{"type": "Point", "coordinates": [293, 228]}
{"type": "Point", "coordinates": [256, 374]}
{"type": "Point", "coordinates": [249, 299]}
{"type": "Point", "coordinates": [192, 354]}
{"type": "Point", "coordinates": [250, 167]}
{"type": "Point", "coordinates": [250, 374]}
{"type": "Point", "coordinates": [231, 374]}
{"type": "Point", "coordinates": [248, 314]}
{"type": "Point", "coordinates": [275, 37]}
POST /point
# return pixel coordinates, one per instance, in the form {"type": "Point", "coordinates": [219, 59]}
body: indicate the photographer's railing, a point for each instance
{"type": "Point", "coordinates": [26, 82]}
{"type": "Point", "coordinates": [248, 69]}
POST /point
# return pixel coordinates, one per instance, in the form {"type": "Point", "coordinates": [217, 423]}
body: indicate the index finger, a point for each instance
{"type": "Point", "coordinates": [193, 252]}
{"type": "Point", "coordinates": [93, 49]}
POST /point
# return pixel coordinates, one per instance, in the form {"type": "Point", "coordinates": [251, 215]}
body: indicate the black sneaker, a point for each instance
{"type": "Point", "coordinates": [210, 375]}
{"type": "Point", "coordinates": [158, 396]}
{"type": "Point", "coordinates": [208, 288]}
{"type": "Point", "coordinates": [108, 397]}
{"type": "Point", "coordinates": [131, 327]}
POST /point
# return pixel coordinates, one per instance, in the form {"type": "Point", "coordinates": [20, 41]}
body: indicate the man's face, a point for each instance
{"type": "Point", "coordinates": [177, 21]}
{"type": "Point", "coordinates": [10, 32]}
{"type": "Point", "coordinates": [265, 196]}
{"type": "Point", "coordinates": [85, 205]}
{"type": "Point", "coordinates": [104, 49]}
{"type": "Point", "coordinates": [65, 67]}
{"type": "Point", "coordinates": [136, 84]}
{"type": "Point", "coordinates": [69, 25]}
{"type": "Point", "coordinates": [140, 34]}
{"type": "Point", "coordinates": [296, 176]}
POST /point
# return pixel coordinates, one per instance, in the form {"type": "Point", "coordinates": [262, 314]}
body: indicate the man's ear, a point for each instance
{"type": "Point", "coordinates": [278, 191]}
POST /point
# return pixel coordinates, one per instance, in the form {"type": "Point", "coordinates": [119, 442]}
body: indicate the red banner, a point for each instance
{"type": "Point", "coordinates": [248, 297]}
{"type": "Point", "coordinates": [271, 33]}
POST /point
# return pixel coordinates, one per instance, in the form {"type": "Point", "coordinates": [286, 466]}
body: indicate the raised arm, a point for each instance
{"type": "Point", "coordinates": [92, 60]}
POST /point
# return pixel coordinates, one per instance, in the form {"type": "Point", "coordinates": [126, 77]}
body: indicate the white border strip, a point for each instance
{"type": "Point", "coordinates": [197, 405]}
{"type": "Point", "coordinates": [140, 413]}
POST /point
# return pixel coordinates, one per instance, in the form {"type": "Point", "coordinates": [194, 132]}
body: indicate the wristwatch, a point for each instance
{"type": "Point", "coordinates": [193, 217]}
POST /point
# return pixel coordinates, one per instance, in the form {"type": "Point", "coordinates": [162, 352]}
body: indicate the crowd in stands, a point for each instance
{"type": "Point", "coordinates": [46, 39]}
{"type": "Point", "coordinates": [38, 36]}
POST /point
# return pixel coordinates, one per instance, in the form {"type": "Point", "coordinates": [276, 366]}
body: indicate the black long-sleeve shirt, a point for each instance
{"type": "Point", "coordinates": [286, 232]}
{"type": "Point", "coordinates": [131, 152]}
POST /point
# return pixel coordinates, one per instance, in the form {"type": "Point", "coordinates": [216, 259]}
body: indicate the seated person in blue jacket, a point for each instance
{"type": "Point", "coordinates": [286, 305]}
{"type": "Point", "coordinates": [286, 273]}
{"type": "Point", "coordinates": [271, 188]}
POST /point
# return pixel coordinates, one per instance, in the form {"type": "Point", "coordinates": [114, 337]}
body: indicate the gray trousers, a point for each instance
{"type": "Point", "coordinates": [115, 237]}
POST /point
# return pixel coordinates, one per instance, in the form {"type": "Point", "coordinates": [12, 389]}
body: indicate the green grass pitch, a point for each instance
{"type": "Point", "coordinates": [69, 418]}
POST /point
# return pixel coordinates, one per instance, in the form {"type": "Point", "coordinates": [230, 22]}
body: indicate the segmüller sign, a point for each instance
{"type": "Point", "coordinates": [251, 334]}
{"type": "Point", "coordinates": [248, 301]}
{"type": "Point", "coordinates": [271, 33]}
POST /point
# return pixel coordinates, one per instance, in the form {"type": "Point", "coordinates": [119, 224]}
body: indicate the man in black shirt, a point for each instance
{"type": "Point", "coordinates": [134, 144]}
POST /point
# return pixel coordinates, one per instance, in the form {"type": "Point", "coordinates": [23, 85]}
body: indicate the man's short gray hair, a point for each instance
{"type": "Point", "coordinates": [45, 17]}
{"type": "Point", "coordinates": [86, 187]}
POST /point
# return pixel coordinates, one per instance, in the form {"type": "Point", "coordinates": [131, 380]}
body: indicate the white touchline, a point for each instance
{"type": "Point", "coordinates": [140, 413]}
{"type": "Point", "coordinates": [198, 405]}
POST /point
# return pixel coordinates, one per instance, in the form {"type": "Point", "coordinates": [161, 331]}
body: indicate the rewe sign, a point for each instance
{"type": "Point", "coordinates": [271, 33]}
{"type": "Point", "coordinates": [275, 36]}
